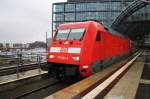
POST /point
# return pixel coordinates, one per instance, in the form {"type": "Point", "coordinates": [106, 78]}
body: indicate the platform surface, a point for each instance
{"type": "Point", "coordinates": [143, 91]}
{"type": "Point", "coordinates": [127, 86]}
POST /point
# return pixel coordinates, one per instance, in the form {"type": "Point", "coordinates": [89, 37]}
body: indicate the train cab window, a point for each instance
{"type": "Point", "coordinates": [62, 34]}
{"type": "Point", "coordinates": [76, 34]}
{"type": "Point", "coordinates": [98, 37]}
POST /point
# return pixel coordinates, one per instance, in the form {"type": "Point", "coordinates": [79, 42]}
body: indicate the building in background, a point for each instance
{"type": "Point", "coordinates": [14, 46]}
{"type": "Point", "coordinates": [81, 10]}
{"type": "Point", "coordinates": [18, 45]}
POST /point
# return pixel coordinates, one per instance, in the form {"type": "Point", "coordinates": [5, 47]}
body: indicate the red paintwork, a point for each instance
{"type": "Point", "coordinates": [91, 50]}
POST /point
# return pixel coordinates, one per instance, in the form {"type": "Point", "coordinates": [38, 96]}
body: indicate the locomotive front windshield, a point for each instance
{"type": "Point", "coordinates": [62, 34]}
{"type": "Point", "coordinates": [70, 34]}
{"type": "Point", "coordinates": [76, 34]}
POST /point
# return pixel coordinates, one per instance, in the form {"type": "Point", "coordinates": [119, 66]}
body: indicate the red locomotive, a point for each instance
{"type": "Point", "coordinates": [85, 48]}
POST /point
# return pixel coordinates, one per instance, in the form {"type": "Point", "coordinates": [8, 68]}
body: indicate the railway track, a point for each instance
{"type": "Point", "coordinates": [20, 68]}
{"type": "Point", "coordinates": [36, 90]}
{"type": "Point", "coordinates": [24, 87]}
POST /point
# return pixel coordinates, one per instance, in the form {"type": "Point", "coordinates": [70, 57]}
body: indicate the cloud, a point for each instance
{"type": "Point", "coordinates": [25, 20]}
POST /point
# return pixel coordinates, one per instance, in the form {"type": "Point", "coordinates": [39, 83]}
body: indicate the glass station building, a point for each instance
{"type": "Point", "coordinates": [82, 10]}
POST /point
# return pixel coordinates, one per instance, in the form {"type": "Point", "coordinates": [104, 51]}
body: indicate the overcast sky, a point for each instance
{"type": "Point", "coordinates": [25, 21]}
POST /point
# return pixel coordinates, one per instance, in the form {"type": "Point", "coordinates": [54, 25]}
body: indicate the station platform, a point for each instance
{"type": "Point", "coordinates": [127, 86]}
{"type": "Point", "coordinates": [124, 86]}
{"type": "Point", "coordinates": [21, 75]}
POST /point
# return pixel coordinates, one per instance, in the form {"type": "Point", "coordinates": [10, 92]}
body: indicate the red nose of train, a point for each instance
{"type": "Point", "coordinates": [66, 52]}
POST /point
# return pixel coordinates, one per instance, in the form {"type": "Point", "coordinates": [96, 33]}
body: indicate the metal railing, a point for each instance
{"type": "Point", "coordinates": [33, 62]}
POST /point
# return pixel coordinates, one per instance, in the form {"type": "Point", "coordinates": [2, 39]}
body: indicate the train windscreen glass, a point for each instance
{"type": "Point", "coordinates": [70, 34]}
{"type": "Point", "coordinates": [76, 34]}
{"type": "Point", "coordinates": [62, 34]}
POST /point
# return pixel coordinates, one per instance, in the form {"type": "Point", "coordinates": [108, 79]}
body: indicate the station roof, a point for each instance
{"type": "Point", "coordinates": [94, 0]}
{"type": "Point", "coordinates": [133, 29]}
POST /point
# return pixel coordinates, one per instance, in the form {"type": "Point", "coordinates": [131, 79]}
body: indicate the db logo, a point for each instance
{"type": "Point", "coordinates": [64, 50]}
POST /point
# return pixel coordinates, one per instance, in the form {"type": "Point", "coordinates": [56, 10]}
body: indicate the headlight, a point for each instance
{"type": "Point", "coordinates": [51, 56]}
{"type": "Point", "coordinates": [85, 66]}
{"type": "Point", "coordinates": [75, 58]}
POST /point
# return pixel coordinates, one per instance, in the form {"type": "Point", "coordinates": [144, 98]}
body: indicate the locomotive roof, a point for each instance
{"type": "Point", "coordinates": [72, 23]}
{"type": "Point", "coordinates": [106, 27]}
{"type": "Point", "coordinates": [110, 30]}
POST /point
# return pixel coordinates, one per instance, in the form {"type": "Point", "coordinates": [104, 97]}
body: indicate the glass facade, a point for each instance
{"type": "Point", "coordinates": [103, 10]}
